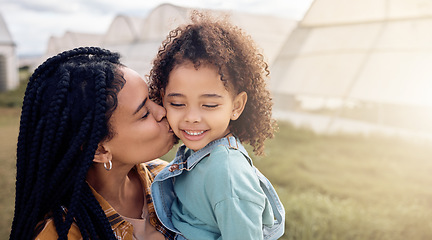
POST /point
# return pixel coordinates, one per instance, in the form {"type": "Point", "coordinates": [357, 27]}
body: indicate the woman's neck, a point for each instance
{"type": "Point", "coordinates": [122, 189]}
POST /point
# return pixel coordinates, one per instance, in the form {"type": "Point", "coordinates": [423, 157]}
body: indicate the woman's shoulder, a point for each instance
{"type": "Point", "coordinates": [156, 163]}
{"type": "Point", "coordinates": [49, 231]}
{"type": "Point", "coordinates": [154, 166]}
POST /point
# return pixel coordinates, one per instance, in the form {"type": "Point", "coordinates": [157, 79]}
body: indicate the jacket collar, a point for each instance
{"type": "Point", "coordinates": [188, 158]}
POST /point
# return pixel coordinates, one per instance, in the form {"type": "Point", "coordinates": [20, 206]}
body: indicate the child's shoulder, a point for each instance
{"type": "Point", "coordinates": [225, 151]}
{"type": "Point", "coordinates": [227, 166]}
{"type": "Point", "coordinates": [226, 156]}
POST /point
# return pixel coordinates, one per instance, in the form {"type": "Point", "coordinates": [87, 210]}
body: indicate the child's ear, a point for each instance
{"type": "Point", "coordinates": [102, 155]}
{"type": "Point", "coordinates": [239, 104]}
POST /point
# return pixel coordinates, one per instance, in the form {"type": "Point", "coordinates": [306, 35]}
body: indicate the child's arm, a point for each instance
{"type": "Point", "coordinates": [241, 207]}
{"type": "Point", "coordinates": [239, 219]}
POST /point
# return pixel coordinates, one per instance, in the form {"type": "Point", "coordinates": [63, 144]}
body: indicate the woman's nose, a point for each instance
{"type": "Point", "coordinates": [158, 111]}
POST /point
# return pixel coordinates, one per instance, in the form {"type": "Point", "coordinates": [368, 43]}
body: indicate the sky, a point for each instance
{"type": "Point", "coordinates": [32, 22]}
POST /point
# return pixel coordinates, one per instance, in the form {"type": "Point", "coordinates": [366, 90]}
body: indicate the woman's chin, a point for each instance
{"type": "Point", "coordinates": [170, 144]}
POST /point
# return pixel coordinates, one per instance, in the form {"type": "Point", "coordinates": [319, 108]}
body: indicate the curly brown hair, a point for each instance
{"type": "Point", "coordinates": [241, 66]}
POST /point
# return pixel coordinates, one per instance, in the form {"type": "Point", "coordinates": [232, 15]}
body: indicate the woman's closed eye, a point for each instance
{"type": "Point", "coordinates": [145, 115]}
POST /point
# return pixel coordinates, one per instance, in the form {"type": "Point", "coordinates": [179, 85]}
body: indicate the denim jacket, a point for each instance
{"type": "Point", "coordinates": [163, 192]}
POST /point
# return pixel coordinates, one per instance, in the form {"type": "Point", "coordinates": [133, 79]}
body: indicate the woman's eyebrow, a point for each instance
{"type": "Point", "coordinates": [140, 106]}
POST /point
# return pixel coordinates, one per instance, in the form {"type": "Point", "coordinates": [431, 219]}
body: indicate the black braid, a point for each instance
{"type": "Point", "coordinates": [68, 102]}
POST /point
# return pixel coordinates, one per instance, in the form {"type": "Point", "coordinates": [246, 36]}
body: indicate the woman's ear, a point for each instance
{"type": "Point", "coordinates": [102, 155]}
{"type": "Point", "coordinates": [239, 104]}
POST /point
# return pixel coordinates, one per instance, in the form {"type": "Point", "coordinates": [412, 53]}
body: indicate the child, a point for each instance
{"type": "Point", "coordinates": [211, 79]}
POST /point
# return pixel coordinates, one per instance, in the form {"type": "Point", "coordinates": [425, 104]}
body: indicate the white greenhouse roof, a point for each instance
{"type": "Point", "coordinates": [343, 50]}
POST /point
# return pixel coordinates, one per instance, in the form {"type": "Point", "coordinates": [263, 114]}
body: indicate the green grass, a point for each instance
{"type": "Point", "coordinates": [332, 187]}
{"type": "Point", "coordinates": [14, 98]}
{"type": "Point", "coordinates": [350, 187]}
{"type": "Point", "coordinates": [9, 123]}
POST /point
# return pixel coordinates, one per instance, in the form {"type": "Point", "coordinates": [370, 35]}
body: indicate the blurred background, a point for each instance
{"type": "Point", "coordinates": [351, 83]}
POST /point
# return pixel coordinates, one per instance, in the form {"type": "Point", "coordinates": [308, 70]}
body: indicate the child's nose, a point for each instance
{"type": "Point", "coordinates": [193, 115]}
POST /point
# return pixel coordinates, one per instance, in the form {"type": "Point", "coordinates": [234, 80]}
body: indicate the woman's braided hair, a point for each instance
{"type": "Point", "coordinates": [67, 105]}
{"type": "Point", "coordinates": [217, 43]}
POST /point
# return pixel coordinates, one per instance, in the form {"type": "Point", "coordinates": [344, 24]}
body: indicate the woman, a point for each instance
{"type": "Point", "coordinates": [86, 125]}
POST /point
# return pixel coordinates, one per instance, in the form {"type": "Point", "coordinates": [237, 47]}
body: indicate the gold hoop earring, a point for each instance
{"type": "Point", "coordinates": [109, 165]}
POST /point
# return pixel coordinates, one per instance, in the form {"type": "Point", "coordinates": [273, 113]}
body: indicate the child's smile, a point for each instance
{"type": "Point", "coordinates": [192, 135]}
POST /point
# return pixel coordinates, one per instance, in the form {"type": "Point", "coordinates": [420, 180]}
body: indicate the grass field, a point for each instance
{"type": "Point", "coordinates": [9, 122]}
{"type": "Point", "coordinates": [332, 187]}
{"type": "Point", "coordinates": [351, 187]}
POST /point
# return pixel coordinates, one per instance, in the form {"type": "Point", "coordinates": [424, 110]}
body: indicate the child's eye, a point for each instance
{"type": "Point", "coordinates": [211, 105]}
{"type": "Point", "coordinates": [177, 104]}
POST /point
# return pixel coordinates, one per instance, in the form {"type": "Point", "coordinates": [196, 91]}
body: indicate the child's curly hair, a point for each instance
{"type": "Point", "coordinates": [240, 64]}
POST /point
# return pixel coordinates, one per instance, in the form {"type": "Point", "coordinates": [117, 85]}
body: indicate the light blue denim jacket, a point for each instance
{"type": "Point", "coordinates": [163, 191]}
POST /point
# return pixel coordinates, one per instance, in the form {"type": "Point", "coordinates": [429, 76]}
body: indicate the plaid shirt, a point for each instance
{"type": "Point", "coordinates": [123, 230]}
